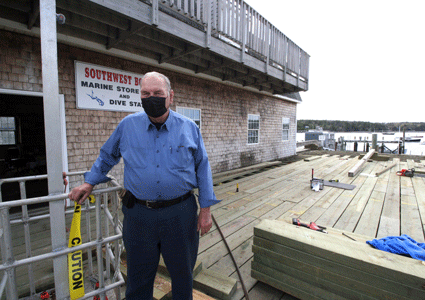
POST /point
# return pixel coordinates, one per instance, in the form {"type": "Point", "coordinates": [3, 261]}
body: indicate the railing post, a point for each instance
{"type": "Point", "coordinates": [267, 50]}
{"type": "Point", "coordinates": [99, 239]}
{"type": "Point", "coordinates": [49, 58]}
{"type": "Point", "coordinates": [27, 236]}
{"type": "Point", "coordinates": [208, 31]}
{"type": "Point", "coordinates": [243, 27]}
{"type": "Point", "coordinates": [7, 254]}
{"type": "Point", "coordinates": [155, 7]}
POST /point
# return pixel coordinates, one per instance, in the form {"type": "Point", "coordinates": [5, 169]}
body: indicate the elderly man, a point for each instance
{"type": "Point", "coordinates": [164, 158]}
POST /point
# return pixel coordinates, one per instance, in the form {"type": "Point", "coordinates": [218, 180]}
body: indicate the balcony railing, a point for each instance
{"type": "Point", "coordinates": [235, 22]}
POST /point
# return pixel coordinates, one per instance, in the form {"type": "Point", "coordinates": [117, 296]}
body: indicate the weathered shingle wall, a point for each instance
{"type": "Point", "coordinates": [224, 109]}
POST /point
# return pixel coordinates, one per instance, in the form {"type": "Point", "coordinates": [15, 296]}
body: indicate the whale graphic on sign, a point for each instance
{"type": "Point", "coordinates": [101, 103]}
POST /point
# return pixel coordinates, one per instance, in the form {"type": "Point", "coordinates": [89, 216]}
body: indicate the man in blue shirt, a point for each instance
{"type": "Point", "coordinates": [164, 160]}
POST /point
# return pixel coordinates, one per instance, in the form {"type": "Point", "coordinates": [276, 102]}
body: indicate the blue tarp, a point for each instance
{"type": "Point", "coordinates": [403, 245]}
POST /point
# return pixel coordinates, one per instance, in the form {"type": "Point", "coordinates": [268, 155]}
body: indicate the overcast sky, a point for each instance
{"type": "Point", "coordinates": [367, 57]}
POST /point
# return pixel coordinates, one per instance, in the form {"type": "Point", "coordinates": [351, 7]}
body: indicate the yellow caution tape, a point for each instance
{"type": "Point", "coordinates": [92, 199]}
{"type": "Point", "coordinates": [75, 259]}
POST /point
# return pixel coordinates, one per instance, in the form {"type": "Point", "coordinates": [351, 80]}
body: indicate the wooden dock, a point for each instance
{"type": "Point", "coordinates": [379, 206]}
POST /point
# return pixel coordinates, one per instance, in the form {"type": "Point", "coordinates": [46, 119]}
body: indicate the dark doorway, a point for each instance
{"type": "Point", "coordinates": [22, 145]}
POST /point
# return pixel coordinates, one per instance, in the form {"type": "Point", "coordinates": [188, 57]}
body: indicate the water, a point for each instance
{"type": "Point", "coordinates": [412, 148]}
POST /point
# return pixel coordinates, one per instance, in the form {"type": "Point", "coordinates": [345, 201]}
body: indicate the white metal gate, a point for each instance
{"type": "Point", "coordinates": [106, 209]}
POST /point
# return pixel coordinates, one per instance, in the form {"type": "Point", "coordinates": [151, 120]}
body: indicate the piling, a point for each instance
{"type": "Point", "coordinates": [375, 141]}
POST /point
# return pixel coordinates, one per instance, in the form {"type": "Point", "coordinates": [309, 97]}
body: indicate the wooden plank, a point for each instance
{"type": "Point", "coordinates": [311, 158]}
{"type": "Point", "coordinates": [360, 164]}
{"type": "Point", "coordinates": [242, 254]}
{"type": "Point", "coordinates": [214, 237]}
{"type": "Point", "coordinates": [217, 177]}
{"type": "Point", "coordinates": [369, 222]}
{"type": "Point", "coordinates": [335, 247]}
{"type": "Point", "coordinates": [327, 196]}
{"type": "Point", "coordinates": [162, 268]}
{"type": "Point", "coordinates": [290, 285]}
{"type": "Point", "coordinates": [263, 291]}
{"type": "Point", "coordinates": [352, 213]}
{"type": "Point", "coordinates": [161, 288]}
{"type": "Point", "coordinates": [245, 271]}
{"type": "Point", "coordinates": [389, 224]}
{"type": "Point", "coordinates": [327, 281]}
{"type": "Point", "coordinates": [386, 169]}
{"type": "Point", "coordinates": [331, 215]}
{"type": "Point", "coordinates": [419, 187]}
{"type": "Point", "coordinates": [410, 219]}
{"type": "Point", "coordinates": [345, 275]}
{"type": "Point", "coordinates": [307, 198]}
{"type": "Point", "coordinates": [215, 284]}
{"type": "Point", "coordinates": [216, 252]}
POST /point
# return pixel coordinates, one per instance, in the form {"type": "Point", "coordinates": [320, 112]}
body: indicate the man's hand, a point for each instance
{"type": "Point", "coordinates": [80, 193]}
{"type": "Point", "coordinates": [204, 220]}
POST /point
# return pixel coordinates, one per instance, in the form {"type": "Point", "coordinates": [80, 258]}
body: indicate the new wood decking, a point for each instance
{"type": "Point", "coordinates": [379, 206]}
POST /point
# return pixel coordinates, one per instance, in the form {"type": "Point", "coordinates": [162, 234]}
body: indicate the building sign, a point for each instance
{"type": "Point", "coordinates": [103, 88]}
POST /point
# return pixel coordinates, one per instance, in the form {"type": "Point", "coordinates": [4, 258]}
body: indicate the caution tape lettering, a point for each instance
{"type": "Point", "coordinates": [75, 259]}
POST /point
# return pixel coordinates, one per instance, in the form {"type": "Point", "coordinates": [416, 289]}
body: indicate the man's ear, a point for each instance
{"type": "Point", "coordinates": [171, 96]}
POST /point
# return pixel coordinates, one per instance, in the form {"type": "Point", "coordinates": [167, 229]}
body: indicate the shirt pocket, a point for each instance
{"type": "Point", "coordinates": [136, 157]}
{"type": "Point", "coordinates": [181, 157]}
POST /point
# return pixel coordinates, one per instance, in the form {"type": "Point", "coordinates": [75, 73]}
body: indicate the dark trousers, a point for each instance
{"type": "Point", "coordinates": [170, 231]}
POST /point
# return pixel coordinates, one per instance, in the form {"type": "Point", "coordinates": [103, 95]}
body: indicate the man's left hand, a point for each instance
{"type": "Point", "coordinates": [204, 220]}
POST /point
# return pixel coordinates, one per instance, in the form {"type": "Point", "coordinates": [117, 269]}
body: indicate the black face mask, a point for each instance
{"type": "Point", "coordinates": [154, 106]}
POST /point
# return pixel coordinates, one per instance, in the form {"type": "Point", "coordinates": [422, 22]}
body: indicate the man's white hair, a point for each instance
{"type": "Point", "coordinates": [159, 75]}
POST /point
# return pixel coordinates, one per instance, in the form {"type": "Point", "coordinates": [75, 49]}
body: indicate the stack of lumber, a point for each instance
{"type": "Point", "coordinates": [339, 265]}
{"type": "Point", "coordinates": [205, 281]}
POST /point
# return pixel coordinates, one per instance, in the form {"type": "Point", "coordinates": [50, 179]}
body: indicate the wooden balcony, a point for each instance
{"type": "Point", "coordinates": [224, 39]}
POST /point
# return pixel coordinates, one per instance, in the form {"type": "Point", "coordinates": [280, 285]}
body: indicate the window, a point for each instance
{"type": "Point", "coordinates": [7, 131]}
{"type": "Point", "coordinates": [191, 113]}
{"type": "Point", "coordinates": [285, 129]}
{"type": "Point", "coordinates": [253, 128]}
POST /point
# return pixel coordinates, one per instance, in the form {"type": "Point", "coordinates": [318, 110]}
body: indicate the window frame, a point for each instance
{"type": "Point", "coordinates": [194, 109]}
{"type": "Point", "coordinates": [253, 129]}
{"type": "Point", "coordinates": [286, 129]}
{"type": "Point", "coordinates": [14, 130]}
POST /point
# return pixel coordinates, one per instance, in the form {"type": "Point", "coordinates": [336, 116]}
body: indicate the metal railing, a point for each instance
{"type": "Point", "coordinates": [104, 239]}
{"type": "Point", "coordinates": [237, 23]}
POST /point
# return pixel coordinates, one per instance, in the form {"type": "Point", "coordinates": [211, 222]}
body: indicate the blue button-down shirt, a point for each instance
{"type": "Point", "coordinates": [158, 164]}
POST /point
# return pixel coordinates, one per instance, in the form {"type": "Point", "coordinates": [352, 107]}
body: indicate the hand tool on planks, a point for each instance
{"type": "Point", "coordinates": [312, 225]}
{"type": "Point", "coordinates": [409, 173]}
{"type": "Point", "coordinates": [338, 184]}
{"type": "Point", "coordinates": [315, 183]}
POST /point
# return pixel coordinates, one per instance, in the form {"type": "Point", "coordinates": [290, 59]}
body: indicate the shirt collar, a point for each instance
{"type": "Point", "coordinates": [167, 124]}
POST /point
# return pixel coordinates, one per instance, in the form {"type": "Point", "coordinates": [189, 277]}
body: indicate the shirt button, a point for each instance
{"type": "Point", "coordinates": [157, 151]}
{"type": "Point", "coordinates": [157, 182]}
{"type": "Point", "coordinates": [157, 166]}
{"type": "Point", "coordinates": [157, 136]}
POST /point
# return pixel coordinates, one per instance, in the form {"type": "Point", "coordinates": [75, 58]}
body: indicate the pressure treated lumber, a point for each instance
{"type": "Point", "coordinates": [215, 284]}
{"type": "Point", "coordinates": [360, 164]}
{"type": "Point", "coordinates": [385, 169]}
{"type": "Point", "coordinates": [332, 263]}
{"type": "Point", "coordinates": [220, 177]}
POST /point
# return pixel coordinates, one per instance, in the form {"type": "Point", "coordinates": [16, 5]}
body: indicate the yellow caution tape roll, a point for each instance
{"type": "Point", "coordinates": [75, 259]}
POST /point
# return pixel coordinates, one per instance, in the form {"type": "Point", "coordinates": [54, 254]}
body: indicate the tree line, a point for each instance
{"type": "Point", "coordinates": [349, 126]}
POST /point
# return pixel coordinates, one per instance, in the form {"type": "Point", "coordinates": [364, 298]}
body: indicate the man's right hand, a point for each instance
{"type": "Point", "coordinates": [80, 193]}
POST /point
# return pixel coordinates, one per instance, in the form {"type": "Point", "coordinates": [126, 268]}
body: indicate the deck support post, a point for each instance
{"type": "Point", "coordinates": [49, 59]}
